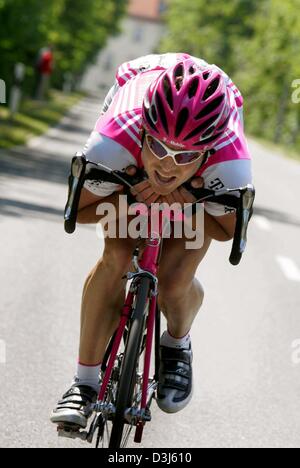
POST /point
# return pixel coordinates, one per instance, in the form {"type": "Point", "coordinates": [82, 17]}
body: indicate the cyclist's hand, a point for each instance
{"type": "Point", "coordinates": [131, 171]}
{"type": "Point", "coordinates": [182, 195]}
{"type": "Point", "coordinates": [143, 191]}
{"type": "Point", "coordinates": [197, 182]}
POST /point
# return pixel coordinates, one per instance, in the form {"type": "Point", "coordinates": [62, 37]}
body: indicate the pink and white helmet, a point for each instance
{"type": "Point", "coordinates": [188, 106]}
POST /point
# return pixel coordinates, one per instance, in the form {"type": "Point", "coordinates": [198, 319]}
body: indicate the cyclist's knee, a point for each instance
{"type": "Point", "coordinates": [118, 254]}
{"type": "Point", "coordinates": [170, 283]}
{"type": "Point", "coordinates": [199, 290]}
{"type": "Point", "coordinates": [175, 284]}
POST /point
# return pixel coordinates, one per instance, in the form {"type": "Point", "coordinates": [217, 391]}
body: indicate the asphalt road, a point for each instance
{"type": "Point", "coordinates": [246, 338]}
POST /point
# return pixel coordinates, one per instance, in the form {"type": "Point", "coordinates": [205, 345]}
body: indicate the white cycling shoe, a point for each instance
{"type": "Point", "coordinates": [75, 406]}
{"type": "Point", "coordinates": [175, 388]}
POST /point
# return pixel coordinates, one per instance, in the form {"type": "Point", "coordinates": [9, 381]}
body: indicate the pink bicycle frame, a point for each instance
{"type": "Point", "coordinates": [148, 263]}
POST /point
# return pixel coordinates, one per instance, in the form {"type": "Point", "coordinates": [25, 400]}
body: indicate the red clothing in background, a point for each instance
{"type": "Point", "coordinates": [46, 62]}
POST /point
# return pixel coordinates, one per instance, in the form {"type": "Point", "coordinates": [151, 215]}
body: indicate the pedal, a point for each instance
{"type": "Point", "coordinates": [71, 431]}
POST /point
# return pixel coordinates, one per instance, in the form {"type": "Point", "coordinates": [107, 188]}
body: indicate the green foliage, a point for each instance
{"type": "Point", "coordinates": [257, 42]}
{"type": "Point", "coordinates": [76, 28]}
{"type": "Point", "coordinates": [34, 118]}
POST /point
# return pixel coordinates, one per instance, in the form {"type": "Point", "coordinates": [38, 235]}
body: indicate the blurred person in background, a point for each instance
{"type": "Point", "coordinates": [44, 69]}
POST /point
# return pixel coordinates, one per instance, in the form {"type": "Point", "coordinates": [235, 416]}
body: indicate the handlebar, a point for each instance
{"type": "Point", "coordinates": [82, 170]}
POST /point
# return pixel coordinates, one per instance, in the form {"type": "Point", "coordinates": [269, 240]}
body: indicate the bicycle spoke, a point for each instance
{"type": "Point", "coordinates": [126, 437]}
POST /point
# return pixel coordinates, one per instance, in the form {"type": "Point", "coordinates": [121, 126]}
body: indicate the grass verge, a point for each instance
{"type": "Point", "coordinates": [34, 118]}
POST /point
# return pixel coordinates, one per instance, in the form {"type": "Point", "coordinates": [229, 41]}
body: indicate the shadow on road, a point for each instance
{"type": "Point", "coordinates": [19, 209]}
{"type": "Point", "coordinates": [74, 129]}
{"type": "Point", "coordinates": [34, 164]}
{"type": "Point", "coordinates": [279, 216]}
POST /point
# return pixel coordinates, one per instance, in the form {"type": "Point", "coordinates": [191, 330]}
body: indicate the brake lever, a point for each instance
{"type": "Point", "coordinates": [244, 214]}
{"type": "Point", "coordinates": [244, 211]}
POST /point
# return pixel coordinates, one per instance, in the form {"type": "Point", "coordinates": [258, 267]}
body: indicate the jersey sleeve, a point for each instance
{"type": "Point", "coordinates": [129, 70]}
{"type": "Point", "coordinates": [104, 150]}
{"type": "Point", "coordinates": [228, 174]}
{"type": "Point", "coordinates": [109, 97]}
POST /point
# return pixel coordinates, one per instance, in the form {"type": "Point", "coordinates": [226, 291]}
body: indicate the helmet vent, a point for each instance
{"type": "Point", "coordinates": [149, 120]}
{"type": "Point", "coordinates": [179, 83]}
{"type": "Point", "coordinates": [207, 141]}
{"type": "Point", "coordinates": [208, 132]}
{"type": "Point", "coordinates": [211, 89]}
{"type": "Point", "coordinates": [181, 121]}
{"type": "Point", "coordinates": [224, 125]}
{"type": "Point", "coordinates": [178, 76]}
{"type": "Point", "coordinates": [202, 127]}
{"type": "Point", "coordinates": [212, 138]}
{"type": "Point", "coordinates": [168, 92]}
{"type": "Point", "coordinates": [161, 113]}
{"type": "Point", "coordinates": [154, 114]}
{"type": "Point", "coordinates": [192, 70]}
{"type": "Point", "coordinates": [179, 71]}
{"type": "Point", "coordinates": [212, 106]}
{"type": "Point", "coordinates": [193, 88]}
{"type": "Point", "coordinates": [206, 75]}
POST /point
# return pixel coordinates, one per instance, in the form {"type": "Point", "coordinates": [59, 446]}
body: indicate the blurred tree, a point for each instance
{"type": "Point", "coordinates": [76, 28]}
{"type": "Point", "coordinates": [85, 26]}
{"type": "Point", "coordinates": [258, 43]}
{"type": "Point", "coordinates": [269, 65]}
{"type": "Point", "coordinates": [26, 26]}
{"type": "Point", "coordinates": [208, 29]}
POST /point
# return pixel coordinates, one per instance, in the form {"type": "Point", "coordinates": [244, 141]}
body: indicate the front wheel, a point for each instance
{"type": "Point", "coordinates": [128, 375]}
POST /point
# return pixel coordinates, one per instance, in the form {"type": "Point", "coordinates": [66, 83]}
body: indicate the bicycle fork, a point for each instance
{"type": "Point", "coordinates": [147, 391]}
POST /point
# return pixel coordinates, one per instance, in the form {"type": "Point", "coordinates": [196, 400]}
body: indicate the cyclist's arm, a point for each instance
{"type": "Point", "coordinates": [220, 228]}
{"type": "Point", "coordinates": [220, 221]}
{"type": "Point", "coordinates": [88, 204]}
{"type": "Point", "coordinates": [100, 149]}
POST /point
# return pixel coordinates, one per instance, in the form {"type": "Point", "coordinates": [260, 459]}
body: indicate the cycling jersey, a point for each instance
{"type": "Point", "coordinates": [116, 138]}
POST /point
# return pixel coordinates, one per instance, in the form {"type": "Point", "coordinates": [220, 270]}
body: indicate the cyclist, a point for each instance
{"type": "Point", "coordinates": [180, 119]}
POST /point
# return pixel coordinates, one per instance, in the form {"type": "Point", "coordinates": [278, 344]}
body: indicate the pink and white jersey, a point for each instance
{"type": "Point", "coordinates": [116, 139]}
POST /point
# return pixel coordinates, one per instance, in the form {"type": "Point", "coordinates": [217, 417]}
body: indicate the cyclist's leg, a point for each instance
{"type": "Point", "coordinates": [104, 290]}
{"type": "Point", "coordinates": [180, 298]}
{"type": "Point", "coordinates": [102, 300]}
{"type": "Point", "coordinates": [180, 293]}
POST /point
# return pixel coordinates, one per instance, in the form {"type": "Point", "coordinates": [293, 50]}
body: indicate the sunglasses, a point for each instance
{"type": "Point", "coordinates": [161, 151]}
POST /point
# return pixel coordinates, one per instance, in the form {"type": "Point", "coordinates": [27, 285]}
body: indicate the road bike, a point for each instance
{"type": "Point", "coordinates": [128, 382]}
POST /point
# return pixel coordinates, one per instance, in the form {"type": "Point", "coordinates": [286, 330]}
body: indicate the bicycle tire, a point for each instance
{"type": "Point", "coordinates": [131, 357]}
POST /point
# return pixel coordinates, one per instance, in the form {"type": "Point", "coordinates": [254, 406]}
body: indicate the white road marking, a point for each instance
{"type": "Point", "coordinates": [2, 352]}
{"type": "Point", "coordinates": [262, 222]}
{"type": "Point", "coordinates": [289, 268]}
